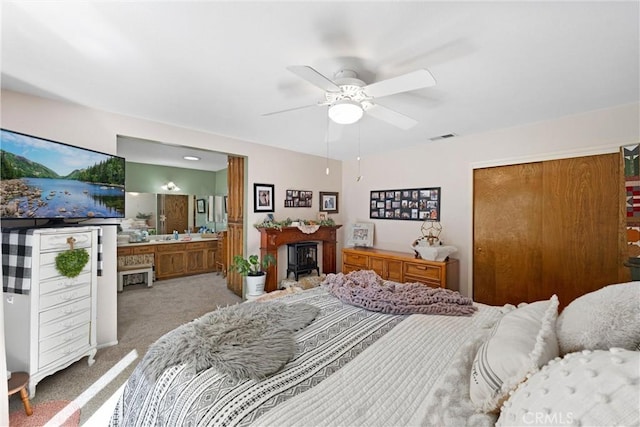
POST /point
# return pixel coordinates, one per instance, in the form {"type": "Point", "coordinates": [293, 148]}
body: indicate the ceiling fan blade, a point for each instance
{"type": "Point", "coordinates": [392, 117]}
{"type": "Point", "coordinates": [314, 77]}
{"type": "Point", "coordinates": [411, 81]}
{"type": "Point", "coordinates": [290, 109]}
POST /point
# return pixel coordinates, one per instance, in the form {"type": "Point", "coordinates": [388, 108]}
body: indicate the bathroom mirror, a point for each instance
{"type": "Point", "coordinates": [180, 211]}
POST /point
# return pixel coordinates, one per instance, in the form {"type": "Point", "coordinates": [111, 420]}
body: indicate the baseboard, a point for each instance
{"type": "Point", "coordinates": [107, 344]}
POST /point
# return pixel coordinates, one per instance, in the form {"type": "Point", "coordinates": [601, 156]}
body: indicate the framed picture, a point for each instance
{"type": "Point", "coordinates": [298, 199]}
{"type": "Point", "coordinates": [413, 204]}
{"type": "Point", "coordinates": [328, 202]}
{"type": "Point", "coordinates": [322, 216]}
{"type": "Point", "coordinates": [263, 197]}
{"type": "Point", "coordinates": [360, 234]}
{"type": "Point", "coordinates": [201, 206]}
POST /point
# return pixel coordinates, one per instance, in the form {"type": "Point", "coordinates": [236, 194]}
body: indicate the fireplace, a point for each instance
{"type": "Point", "coordinates": [302, 258]}
{"type": "Point", "coordinates": [272, 238]}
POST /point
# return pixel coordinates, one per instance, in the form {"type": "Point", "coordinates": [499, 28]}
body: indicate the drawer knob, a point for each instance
{"type": "Point", "coordinates": [67, 297]}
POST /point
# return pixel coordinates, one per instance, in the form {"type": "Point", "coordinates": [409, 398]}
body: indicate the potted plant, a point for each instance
{"type": "Point", "coordinates": [253, 269]}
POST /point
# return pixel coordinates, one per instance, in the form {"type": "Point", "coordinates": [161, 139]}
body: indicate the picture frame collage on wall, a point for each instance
{"type": "Point", "coordinates": [413, 204]}
{"type": "Point", "coordinates": [263, 200]}
{"type": "Point", "coordinates": [298, 199]}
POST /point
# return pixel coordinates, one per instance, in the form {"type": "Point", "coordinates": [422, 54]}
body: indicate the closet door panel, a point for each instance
{"type": "Point", "coordinates": [507, 233]}
{"type": "Point", "coordinates": [580, 239]}
{"type": "Point", "coordinates": [235, 224]}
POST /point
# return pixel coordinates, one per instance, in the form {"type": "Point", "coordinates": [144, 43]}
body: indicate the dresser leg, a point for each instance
{"type": "Point", "coordinates": [91, 359]}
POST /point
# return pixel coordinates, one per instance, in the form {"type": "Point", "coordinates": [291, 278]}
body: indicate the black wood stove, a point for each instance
{"type": "Point", "coordinates": [302, 258]}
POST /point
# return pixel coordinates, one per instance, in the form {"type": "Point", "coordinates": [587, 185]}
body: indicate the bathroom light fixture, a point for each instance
{"type": "Point", "coordinates": [170, 186]}
{"type": "Point", "coordinates": [345, 111]}
{"type": "Point", "coordinates": [194, 158]}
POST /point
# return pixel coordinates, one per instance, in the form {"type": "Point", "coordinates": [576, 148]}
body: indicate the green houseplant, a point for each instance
{"type": "Point", "coordinates": [252, 266]}
{"type": "Point", "coordinates": [253, 270]}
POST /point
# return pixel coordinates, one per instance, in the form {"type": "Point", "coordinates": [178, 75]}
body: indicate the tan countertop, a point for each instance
{"type": "Point", "coordinates": [158, 241]}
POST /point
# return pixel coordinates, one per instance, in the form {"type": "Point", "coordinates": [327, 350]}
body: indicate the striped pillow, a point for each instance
{"type": "Point", "coordinates": [520, 343]}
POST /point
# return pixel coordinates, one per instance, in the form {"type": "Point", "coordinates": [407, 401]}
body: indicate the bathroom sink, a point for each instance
{"type": "Point", "coordinates": [434, 253]}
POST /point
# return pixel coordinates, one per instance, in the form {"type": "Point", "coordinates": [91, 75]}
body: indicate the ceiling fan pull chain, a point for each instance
{"type": "Point", "coordinates": [326, 137]}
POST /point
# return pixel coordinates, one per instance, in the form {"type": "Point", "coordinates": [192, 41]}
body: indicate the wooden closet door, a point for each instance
{"type": "Point", "coordinates": [581, 225]}
{"type": "Point", "coordinates": [507, 227]}
{"type": "Point", "coordinates": [547, 227]}
{"type": "Point", "coordinates": [235, 219]}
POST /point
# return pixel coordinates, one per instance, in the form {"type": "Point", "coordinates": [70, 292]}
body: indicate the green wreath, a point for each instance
{"type": "Point", "coordinates": [70, 263]}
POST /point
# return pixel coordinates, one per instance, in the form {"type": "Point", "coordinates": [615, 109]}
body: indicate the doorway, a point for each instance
{"type": "Point", "coordinates": [160, 154]}
{"type": "Point", "coordinates": [173, 213]}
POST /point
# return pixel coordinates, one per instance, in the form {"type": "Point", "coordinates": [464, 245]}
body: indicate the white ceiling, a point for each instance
{"type": "Point", "coordinates": [218, 66]}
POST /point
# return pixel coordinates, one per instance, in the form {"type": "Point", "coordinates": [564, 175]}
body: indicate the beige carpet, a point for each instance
{"type": "Point", "coordinates": [42, 413]}
{"type": "Point", "coordinates": [144, 314]}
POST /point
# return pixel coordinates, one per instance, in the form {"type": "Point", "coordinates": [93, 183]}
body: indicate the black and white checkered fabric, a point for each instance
{"type": "Point", "coordinates": [100, 260]}
{"type": "Point", "coordinates": [17, 246]}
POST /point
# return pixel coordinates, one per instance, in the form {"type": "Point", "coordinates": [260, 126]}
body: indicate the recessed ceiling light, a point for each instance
{"type": "Point", "coordinates": [191, 158]}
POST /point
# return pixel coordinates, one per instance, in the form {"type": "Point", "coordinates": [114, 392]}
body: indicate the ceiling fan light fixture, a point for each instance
{"type": "Point", "coordinates": [345, 111]}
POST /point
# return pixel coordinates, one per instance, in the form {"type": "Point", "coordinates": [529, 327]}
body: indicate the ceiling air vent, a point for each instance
{"type": "Point", "coordinates": [445, 136]}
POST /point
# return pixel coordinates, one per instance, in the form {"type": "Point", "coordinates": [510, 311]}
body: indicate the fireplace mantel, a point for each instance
{"type": "Point", "coordinates": [272, 238]}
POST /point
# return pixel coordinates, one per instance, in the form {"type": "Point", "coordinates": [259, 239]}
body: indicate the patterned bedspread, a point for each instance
{"type": "Point", "coordinates": [180, 398]}
{"type": "Point", "coordinates": [353, 367]}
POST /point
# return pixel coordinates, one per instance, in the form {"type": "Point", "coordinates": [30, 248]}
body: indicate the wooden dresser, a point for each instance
{"type": "Point", "coordinates": [53, 324]}
{"type": "Point", "coordinates": [402, 267]}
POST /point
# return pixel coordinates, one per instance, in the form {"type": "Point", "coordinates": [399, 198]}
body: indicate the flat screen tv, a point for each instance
{"type": "Point", "coordinates": [43, 179]}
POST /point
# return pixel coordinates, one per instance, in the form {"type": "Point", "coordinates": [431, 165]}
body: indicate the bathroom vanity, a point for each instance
{"type": "Point", "coordinates": [175, 258]}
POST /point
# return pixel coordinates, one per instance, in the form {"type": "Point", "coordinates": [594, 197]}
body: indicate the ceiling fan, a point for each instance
{"type": "Point", "coordinates": [348, 97]}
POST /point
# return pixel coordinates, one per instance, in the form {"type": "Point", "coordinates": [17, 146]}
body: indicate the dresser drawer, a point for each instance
{"type": "Point", "coordinates": [64, 283]}
{"type": "Point", "coordinates": [64, 296]}
{"type": "Point", "coordinates": [48, 267]}
{"type": "Point", "coordinates": [58, 313]}
{"type": "Point", "coordinates": [70, 335]}
{"type": "Point", "coordinates": [356, 260]}
{"type": "Point", "coordinates": [49, 270]}
{"type": "Point", "coordinates": [423, 271]}
{"type": "Point", "coordinates": [65, 351]}
{"type": "Point", "coordinates": [63, 322]}
{"type": "Point", "coordinates": [58, 242]}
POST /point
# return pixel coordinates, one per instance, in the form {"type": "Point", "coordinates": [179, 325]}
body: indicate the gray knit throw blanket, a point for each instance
{"type": "Point", "coordinates": [364, 288]}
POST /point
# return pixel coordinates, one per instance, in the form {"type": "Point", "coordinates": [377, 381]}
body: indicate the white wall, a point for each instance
{"type": "Point", "coordinates": [98, 130]}
{"type": "Point", "coordinates": [449, 164]}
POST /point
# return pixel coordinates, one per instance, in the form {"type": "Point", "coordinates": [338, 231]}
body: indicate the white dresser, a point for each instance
{"type": "Point", "coordinates": [54, 324]}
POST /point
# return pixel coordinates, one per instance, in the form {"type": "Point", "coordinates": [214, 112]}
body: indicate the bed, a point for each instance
{"type": "Point", "coordinates": [350, 365]}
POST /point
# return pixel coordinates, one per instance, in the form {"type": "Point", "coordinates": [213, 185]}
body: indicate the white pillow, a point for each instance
{"type": "Point", "coordinates": [608, 317]}
{"type": "Point", "coordinates": [521, 342]}
{"type": "Point", "coordinates": [589, 388]}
